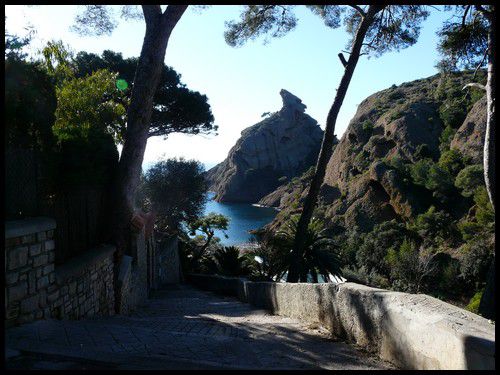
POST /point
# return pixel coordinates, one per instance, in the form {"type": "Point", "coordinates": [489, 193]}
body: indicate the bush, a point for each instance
{"type": "Point", "coordinates": [475, 260]}
{"type": "Point", "coordinates": [452, 112]}
{"type": "Point", "coordinates": [435, 227]}
{"type": "Point", "coordinates": [469, 178]}
{"type": "Point", "coordinates": [430, 175]}
{"type": "Point", "coordinates": [474, 302]}
{"type": "Point", "coordinates": [410, 268]}
{"type": "Point", "coordinates": [367, 127]}
{"type": "Point", "coordinates": [469, 229]}
{"type": "Point", "coordinates": [371, 253]}
{"type": "Point", "coordinates": [484, 211]}
{"type": "Point", "coordinates": [422, 151]}
{"type": "Point", "coordinates": [451, 161]}
{"type": "Point", "coordinates": [445, 138]}
{"type": "Point", "coordinates": [362, 160]}
{"type": "Point", "coordinates": [227, 261]}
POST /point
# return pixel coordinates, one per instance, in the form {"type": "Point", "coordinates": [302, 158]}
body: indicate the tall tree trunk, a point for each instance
{"type": "Point", "coordinates": [327, 145]}
{"type": "Point", "coordinates": [487, 304]}
{"type": "Point", "coordinates": [159, 26]}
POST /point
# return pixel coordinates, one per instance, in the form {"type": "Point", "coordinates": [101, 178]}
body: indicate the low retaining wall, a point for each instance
{"type": "Point", "coordinates": [37, 289]}
{"type": "Point", "coordinates": [412, 331]}
{"type": "Point", "coordinates": [84, 285]}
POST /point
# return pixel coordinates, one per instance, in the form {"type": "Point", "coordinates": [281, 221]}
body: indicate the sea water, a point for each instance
{"type": "Point", "coordinates": [242, 218]}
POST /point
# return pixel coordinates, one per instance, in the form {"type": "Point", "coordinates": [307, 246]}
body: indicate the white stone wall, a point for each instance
{"type": "Point", "coordinates": [413, 331]}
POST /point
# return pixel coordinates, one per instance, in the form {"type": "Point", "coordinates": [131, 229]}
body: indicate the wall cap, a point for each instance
{"type": "Point", "coordinates": [77, 266]}
{"type": "Point", "coordinates": [19, 228]}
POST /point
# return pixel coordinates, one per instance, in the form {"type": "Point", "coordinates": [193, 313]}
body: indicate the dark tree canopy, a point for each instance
{"type": "Point", "coordinates": [177, 109]}
{"type": "Point", "coordinates": [30, 102]}
{"type": "Point", "coordinates": [176, 190]}
{"type": "Point", "coordinates": [394, 27]}
{"type": "Point", "coordinates": [463, 39]}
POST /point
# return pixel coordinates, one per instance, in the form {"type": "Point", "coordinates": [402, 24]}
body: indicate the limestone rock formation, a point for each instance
{"type": "Point", "coordinates": [362, 185]}
{"type": "Point", "coordinates": [469, 138]}
{"type": "Point", "coordinates": [280, 147]}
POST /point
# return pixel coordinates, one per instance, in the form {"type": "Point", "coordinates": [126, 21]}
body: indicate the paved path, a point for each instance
{"type": "Point", "coordinates": [182, 328]}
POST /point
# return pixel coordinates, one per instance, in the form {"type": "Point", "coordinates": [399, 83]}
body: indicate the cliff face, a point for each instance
{"type": "Point", "coordinates": [362, 186]}
{"type": "Point", "coordinates": [280, 147]}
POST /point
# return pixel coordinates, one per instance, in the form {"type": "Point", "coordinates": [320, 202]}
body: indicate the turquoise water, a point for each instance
{"type": "Point", "coordinates": [242, 218]}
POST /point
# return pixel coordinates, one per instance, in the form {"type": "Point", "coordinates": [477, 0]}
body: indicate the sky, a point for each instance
{"type": "Point", "coordinates": [242, 83]}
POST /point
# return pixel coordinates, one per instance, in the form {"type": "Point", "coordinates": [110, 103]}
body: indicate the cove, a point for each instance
{"type": "Point", "coordinates": [242, 218]}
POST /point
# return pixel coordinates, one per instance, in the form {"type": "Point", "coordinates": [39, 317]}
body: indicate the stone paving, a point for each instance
{"type": "Point", "coordinates": [182, 328]}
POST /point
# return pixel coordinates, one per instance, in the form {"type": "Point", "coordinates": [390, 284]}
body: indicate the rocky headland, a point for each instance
{"type": "Point", "coordinates": [283, 145]}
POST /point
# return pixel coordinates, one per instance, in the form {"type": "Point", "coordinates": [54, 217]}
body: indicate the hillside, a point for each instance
{"type": "Point", "coordinates": [406, 182]}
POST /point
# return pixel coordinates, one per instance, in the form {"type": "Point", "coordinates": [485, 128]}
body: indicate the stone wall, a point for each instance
{"type": "Point", "coordinates": [36, 288]}
{"type": "Point", "coordinates": [84, 285]}
{"type": "Point", "coordinates": [29, 268]}
{"type": "Point", "coordinates": [413, 331]}
{"type": "Point", "coordinates": [81, 287]}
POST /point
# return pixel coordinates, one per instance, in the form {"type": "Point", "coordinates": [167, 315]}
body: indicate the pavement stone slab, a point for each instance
{"type": "Point", "coordinates": [183, 328]}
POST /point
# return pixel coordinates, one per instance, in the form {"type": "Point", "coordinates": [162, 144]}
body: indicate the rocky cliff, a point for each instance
{"type": "Point", "coordinates": [391, 130]}
{"type": "Point", "coordinates": [282, 146]}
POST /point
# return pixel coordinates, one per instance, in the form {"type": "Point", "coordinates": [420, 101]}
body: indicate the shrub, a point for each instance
{"type": "Point", "coordinates": [452, 112]}
{"type": "Point", "coordinates": [367, 127]}
{"type": "Point", "coordinates": [469, 229]}
{"type": "Point", "coordinates": [429, 174]}
{"type": "Point", "coordinates": [484, 211]}
{"type": "Point", "coordinates": [473, 305]}
{"type": "Point", "coordinates": [475, 260]}
{"type": "Point", "coordinates": [435, 227]}
{"type": "Point", "coordinates": [445, 138]}
{"type": "Point", "coordinates": [371, 253]}
{"type": "Point", "coordinates": [362, 160]}
{"type": "Point", "coordinates": [227, 261]}
{"type": "Point", "coordinates": [451, 161]}
{"type": "Point", "coordinates": [319, 256]}
{"type": "Point", "coordinates": [410, 268]}
{"type": "Point", "coordinates": [469, 178]}
{"type": "Point", "coordinates": [396, 113]}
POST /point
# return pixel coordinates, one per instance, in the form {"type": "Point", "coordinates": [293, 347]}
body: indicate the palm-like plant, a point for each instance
{"type": "Point", "coordinates": [319, 255]}
{"type": "Point", "coordinates": [227, 261]}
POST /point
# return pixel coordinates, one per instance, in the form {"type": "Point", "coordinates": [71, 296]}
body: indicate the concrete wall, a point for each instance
{"type": "Point", "coordinates": [413, 331]}
{"type": "Point", "coordinates": [36, 288]}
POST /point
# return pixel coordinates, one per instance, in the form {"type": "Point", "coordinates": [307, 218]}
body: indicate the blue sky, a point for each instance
{"type": "Point", "coordinates": [242, 83]}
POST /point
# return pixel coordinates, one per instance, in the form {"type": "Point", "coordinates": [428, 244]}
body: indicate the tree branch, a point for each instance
{"type": "Point", "coordinates": [481, 63]}
{"type": "Point", "coordinates": [465, 15]}
{"type": "Point", "coordinates": [358, 8]}
{"type": "Point", "coordinates": [151, 12]}
{"type": "Point", "coordinates": [173, 14]}
{"type": "Point", "coordinates": [474, 84]}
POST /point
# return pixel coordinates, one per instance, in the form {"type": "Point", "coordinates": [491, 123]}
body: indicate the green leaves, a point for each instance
{"type": "Point", "coordinates": [176, 109]}
{"type": "Point", "coordinates": [209, 223]}
{"type": "Point", "coordinates": [463, 39]}
{"type": "Point", "coordinates": [175, 189]}
{"type": "Point", "coordinates": [257, 20]}
{"type": "Point", "coordinates": [319, 255]}
{"type": "Point", "coordinates": [90, 104]}
{"type": "Point", "coordinates": [394, 26]}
